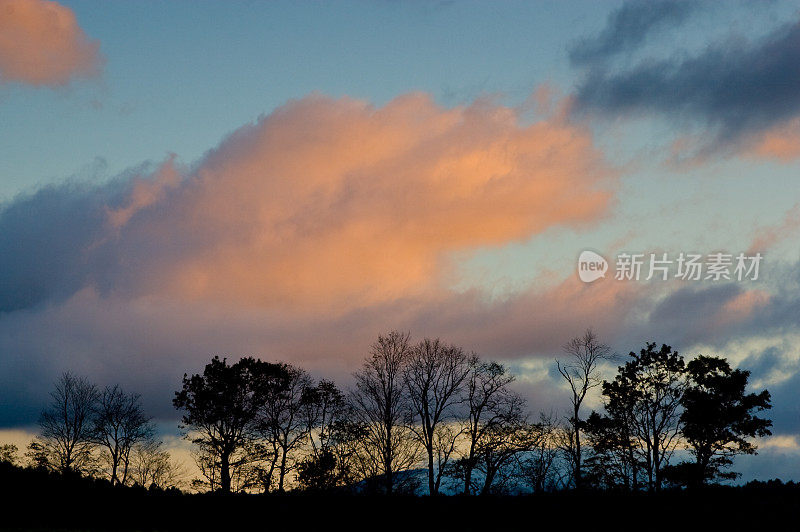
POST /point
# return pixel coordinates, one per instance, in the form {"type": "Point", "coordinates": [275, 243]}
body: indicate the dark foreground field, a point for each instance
{"type": "Point", "coordinates": [716, 510]}
{"type": "Point", "coordinates": [36, 500]}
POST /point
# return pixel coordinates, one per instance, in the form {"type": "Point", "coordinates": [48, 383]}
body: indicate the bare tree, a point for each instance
{"type": "Point", "coordinates": [327, 462]}
{"type": "Point", "coordinates": [564, 438]}
{"type": "Point", "coordinates": [283, 418]}
{"type": "Point", "coordinates": [381, 406]}
{"type": "Point", "coordinates": [346, 441]}
{"type": "Point", "coordinates": [584, 354]}
{"type": "Point", "coordinates": [325, 405]}
{"type": "Point", "coordinates": [489, 401]}
{"type": "Point", "coordinates": [209, 468]}
{"type": "Point", "coordinates": [538, 465]}
{"type": "Point", "coordinates": [435, 375]}
{"type": "Point", "coordinates": [66, 424]}
{"type": "Point", "coordinates": [151, 465]}
{"type": "Point", "coordinates": [243, 469]}
{"type": "Point", "coordinates": [503, 441]}
{"type": "Point", "coordinates": [119, 424]}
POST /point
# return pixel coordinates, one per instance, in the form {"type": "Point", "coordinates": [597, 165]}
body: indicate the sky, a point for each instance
{"type": "Point", "coordinates": [288, 180]}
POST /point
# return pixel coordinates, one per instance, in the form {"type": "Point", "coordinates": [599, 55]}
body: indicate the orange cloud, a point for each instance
{"type": "Point", "coordinates": [781, 143]}
{"type": "Point", "coordinates": [333, 203]}
{"type": "Point", "coordinates": [145, 192]}
{"type": "Point", "coordinates": [42, 44]}
{"type": "Point", "coordinates": [777, 143]}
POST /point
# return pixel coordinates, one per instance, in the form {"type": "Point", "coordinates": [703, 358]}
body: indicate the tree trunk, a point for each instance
{"type": "Point", "coordinates": [487, 482]}
{"type": "Point", "coordinates": [387, 460]}
{"type": "Point", "coordinates": [125, 463]}
{"type": "Point", "coordinates": [656, 472]}
{"type": "Point", "coordinates": [389, 480]}
{"type": "Point", "coordinates": [576, 428]}
{"type": "Point", "coordinates": [282, 471]}
{"type": "Point", "coordinates": [225, 472]}
{"type": "Point", "coordinates": [702, 465]}
{"type": "Point", "coordinates": [431, 479]}
{"type": "Point", "coordinates": [468, 471]}
{"type": "Point", "coordinates": [634, 470]}
{"type": "Point", "coordinates": [114, 462]}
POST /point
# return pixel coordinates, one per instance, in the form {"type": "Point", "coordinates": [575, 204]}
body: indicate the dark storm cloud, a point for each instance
{"type": "Point", "coordinates": [57, 240]}
{"type": "Point", "coordinates": [42, 243]}
{"type": "Point", "coordinates": [628, 27]}
{"type": "Point", "coordinates": [735, 88]}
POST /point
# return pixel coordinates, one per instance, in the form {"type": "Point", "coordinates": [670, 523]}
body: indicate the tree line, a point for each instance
{"type": "Point", "coordinates": [423, 413]}
{"type": "Point", "coordinates": [257, 424]}
{"type": "Point", "coordinates": [100, 433]}
{"type": "Point", "coordinates": [655, 405]}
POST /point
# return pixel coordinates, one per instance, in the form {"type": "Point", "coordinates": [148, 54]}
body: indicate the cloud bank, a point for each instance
{"type": "Point", "coordinates": [300, 237]}
{"type": "Point", "coordinates": [324, 204]}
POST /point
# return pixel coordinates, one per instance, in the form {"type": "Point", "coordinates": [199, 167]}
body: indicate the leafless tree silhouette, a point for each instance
{"type": "Point", "coordinates": [152, 465]}
{"type": "Point", "coordinates": [382, 407]}
{"type": "Point", "coordinates": [119, 424]}
{"type": "Point", "coordinates": [491, 404]}
{"type": "Point", "coordinates": [282, 418]}
{"type": "Point", "coordinates": [580, 370]}
{"type": "Point", "coordinates": [66, 424]}
{"type": "Point", "coordinates": [435, 375]}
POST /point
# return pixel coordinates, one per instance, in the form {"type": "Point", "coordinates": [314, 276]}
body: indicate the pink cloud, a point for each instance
{"type": "Point", "coordinates": [41, 43]}
{"type": "Point", "coordinates": [145, 192]}
{"type": "Point", "coordinates": [781, 142]}
{"type": "Point", "coordinates": [330, 204]}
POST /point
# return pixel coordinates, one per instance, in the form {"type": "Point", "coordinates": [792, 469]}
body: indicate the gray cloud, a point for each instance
{"type": "Point", "coordinates": [686, 314]}
{"type": "Point", "coordinates": [628, 27]}
{"type": "Point", "coordinates": [42, 243]}
{"type": "Point", "coordinates": [57, 240]}
{"type": "Point", "coordinates": [146, 344]}
{"type": "Point", "coordinates": [734, 88]}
